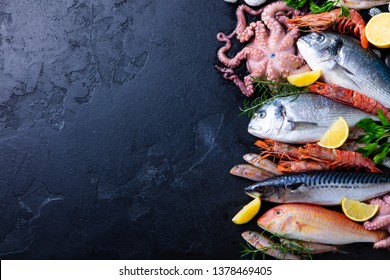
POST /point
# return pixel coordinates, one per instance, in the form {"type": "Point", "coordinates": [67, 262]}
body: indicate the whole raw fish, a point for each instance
{"type": "Point", "coordinates": [267, 246]}
{"type": "Point", "coordinates": [362, 4]}
{"type": "Point", "coordinates": [316, 224]}
{"type": "Point", "coordinates": [310, 248]}
{"type": "Point", "coordinates": [300, 119]}
{"type": "Point", "coordinates": [262, 163]}
{"type": "Point", "coordinates": [321, 188]}
{"type": "Point", "coordinates": [345, 63]}
{"type": "Point", "coordinates": [250, 172]}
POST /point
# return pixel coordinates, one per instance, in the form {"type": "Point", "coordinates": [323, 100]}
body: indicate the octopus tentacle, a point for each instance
{"type": "Point", "coordinates": [244, 32]}
{"type": "Point", "coordinates": [229, 75]}
{"type": "Point", "coordinates": [377, 223]}
{"type": "Point", "coordinates": [381, 220]}
{"type": "Point", "coordinates": [377, 201]}
{"type": "Point", "coordinates": [386, 199]}
{"type": "Point", "coordinates": [235, 61]}
{"type": "Point", "coordinates": [271, 50]}
{"type": "Point", "coordinates": [261, 35]}
{"type": "Point", "coordinates": [277, 31]}
{"type": "Point", "coordinates": [384, 243]}
{"type": "Point", "coordinates": [248, 80]}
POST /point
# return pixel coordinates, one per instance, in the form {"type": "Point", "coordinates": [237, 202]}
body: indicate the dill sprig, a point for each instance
{"type": "Point", "coordinates": [268, 91]}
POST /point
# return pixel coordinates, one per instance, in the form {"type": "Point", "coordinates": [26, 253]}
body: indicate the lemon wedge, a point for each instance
{"type": "Point", "coordinates": [304, 79]}
{"type": "Point", "coordinates": [378, 30]}
{"type": "Point", "coordinates": [358, 211]}
{"type": "Point", "coordinates": [336, 135]}
{"type": "Point", "coordinates": [247, 212]}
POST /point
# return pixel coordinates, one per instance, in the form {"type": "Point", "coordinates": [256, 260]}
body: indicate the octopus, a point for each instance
{"type": "Point", "coordinates": [381, 220]}
{"type": "Point", "coordinates": [270, 52]}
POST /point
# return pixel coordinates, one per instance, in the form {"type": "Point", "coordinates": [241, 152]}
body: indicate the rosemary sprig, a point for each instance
{"type": "Point", "coordinates": [248, 249]}
{"type": "Point", "coordinates": [286, 247]}
{"type": "Point", "coordinates": [268, 91]}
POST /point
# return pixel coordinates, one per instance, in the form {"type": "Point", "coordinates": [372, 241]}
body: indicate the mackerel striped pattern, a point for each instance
{"type": "Point", "coordinates": [328, 179]}
{"type": "Point", "coordinates": [321, 188]}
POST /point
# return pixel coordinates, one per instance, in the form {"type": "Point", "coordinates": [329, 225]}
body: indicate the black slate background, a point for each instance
{"type": "Point", "coordinates": [117, 134]}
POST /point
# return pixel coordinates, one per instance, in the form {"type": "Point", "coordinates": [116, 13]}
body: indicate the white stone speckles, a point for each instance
{"type": "Point", "coordinates": [374, 11]}
{"type": "Point", "coordinates": [377, 52]}
{"type": "Point", "coordinates": [254, 3]}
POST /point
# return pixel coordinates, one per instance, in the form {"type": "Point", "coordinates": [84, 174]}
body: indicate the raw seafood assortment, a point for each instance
{"type": "Point", "coordinates": [271, 51]}
{"type": "Point", "coordinates": [291, 168]}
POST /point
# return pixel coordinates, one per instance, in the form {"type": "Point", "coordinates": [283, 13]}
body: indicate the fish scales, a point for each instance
{"type": "Point", "coordinates": [300, 119]}
{"type": "Point", "coordinates": [321, 188]}
{"type": "Point", "coordinates": [345, 63]}
{"type": "Point", "coordinates": [316, 224]}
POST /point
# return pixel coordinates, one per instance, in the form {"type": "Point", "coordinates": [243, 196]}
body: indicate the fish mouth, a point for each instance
{"type": "Point", "coordinates": [265, 226]}
{"type": "Point", "coordinates": [253, 194]}
{"type": "Point", "coordinates": [303, 44]}
{"type": "Point", "coordinates": [253, 131]}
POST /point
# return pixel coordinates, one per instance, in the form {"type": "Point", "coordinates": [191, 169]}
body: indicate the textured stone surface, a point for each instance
{"type": "Point", "coordinates": [117, 134]}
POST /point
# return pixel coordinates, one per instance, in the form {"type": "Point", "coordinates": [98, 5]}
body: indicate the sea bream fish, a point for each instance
{"type": "Point", "coordinates": [321, 187]}
{"type": "Point", "coordinates": [302, 118]}
{"type": "Point", "coordinates": [345, 63]}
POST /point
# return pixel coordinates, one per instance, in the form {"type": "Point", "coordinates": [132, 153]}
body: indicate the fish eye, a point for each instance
{"type": "Point", "coordinates": [320, 38]}
{"type": "Point", "coordinates": [262, 114]}
{"type": "Point", "coordinates": [278, 213]}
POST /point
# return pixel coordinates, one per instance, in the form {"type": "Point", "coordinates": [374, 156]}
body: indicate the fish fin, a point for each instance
{"type": "Point", "coordinates": [341, 250]}
{"type": "Point", "coordinates": [287, 223]}
{"type": "Point", "coordinates": [301, 124]}
{"type": "Point", "coordinates": [300, 226]}
{"type": "Point", "coordinates": [346, 73]}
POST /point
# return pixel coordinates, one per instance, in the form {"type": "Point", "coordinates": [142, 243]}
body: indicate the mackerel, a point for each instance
{"type": "Point", "coordinates": [321, 188]}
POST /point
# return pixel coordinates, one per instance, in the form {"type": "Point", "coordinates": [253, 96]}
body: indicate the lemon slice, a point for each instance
{"type": "Point", "coordinates": [358, 211]}
{"type": "Point", "coordinates": [304, 79]}
{"type": "Point", "coordinates": [336, 135]}
{"type": "Point", "coordinates": [378, 30]}
{"type": "Point", "coordinates": [247, 212]}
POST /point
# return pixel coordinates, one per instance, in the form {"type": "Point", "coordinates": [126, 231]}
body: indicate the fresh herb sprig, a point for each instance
{"type": "Point", "coordinates": [317, 8]}
{"type": "Point", "coordinates": [376, 137]}
{"type": "Point", "coordinates": [286, 247]}
{"type": "Point", "coordinates": [268, 91]}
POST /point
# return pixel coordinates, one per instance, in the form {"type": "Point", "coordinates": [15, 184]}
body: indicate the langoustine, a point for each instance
{"type": "Point", "coordinates": [354, 23]}
{"type": "Point", "coordinates": [349, 97]}
{"type": "Point", "coordinates": [313, 157]}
